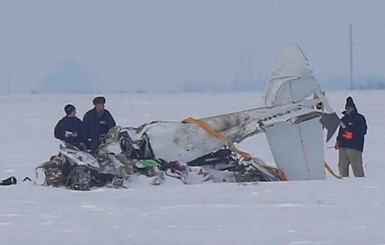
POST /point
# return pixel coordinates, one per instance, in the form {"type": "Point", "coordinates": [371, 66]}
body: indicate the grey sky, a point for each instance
{"type": "Point", "coordinates": [161, 45]}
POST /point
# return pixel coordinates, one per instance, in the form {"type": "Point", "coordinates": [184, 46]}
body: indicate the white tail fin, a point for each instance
{"type": "Point", "coordinates": [291, 80]}
{"type": "Point", "coordinates": [297, 147]}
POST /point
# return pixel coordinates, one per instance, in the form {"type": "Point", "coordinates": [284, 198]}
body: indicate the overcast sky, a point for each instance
{"type": "Point", "coordinates": [99, 45]}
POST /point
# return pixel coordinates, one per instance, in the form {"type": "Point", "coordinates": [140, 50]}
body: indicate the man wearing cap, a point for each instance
{"type": "Point", "coordinates": [97, 122]}
{"type": "Point", "coordinates": [350, 140]}
{"type": "Point", "coordinates": [69, 128]}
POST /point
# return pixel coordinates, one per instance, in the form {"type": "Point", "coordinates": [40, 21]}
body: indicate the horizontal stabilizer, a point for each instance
{"type": "Point", "coordinates": [330, 122]}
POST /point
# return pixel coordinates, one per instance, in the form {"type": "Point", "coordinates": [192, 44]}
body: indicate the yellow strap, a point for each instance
{"type": "Point", "coordinates": [330, 170]}
{"type": "Point", "coordinates": [206, 127]}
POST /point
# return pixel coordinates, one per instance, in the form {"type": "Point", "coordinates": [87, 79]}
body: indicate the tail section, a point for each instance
{"type": "Point", "coordinates": [297, 144]}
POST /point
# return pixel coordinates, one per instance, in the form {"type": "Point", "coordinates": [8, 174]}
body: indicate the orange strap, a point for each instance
{"type": "Point", "coordinates": [206, 127]}
{"type": "Point", "coordinates": [330, 170]}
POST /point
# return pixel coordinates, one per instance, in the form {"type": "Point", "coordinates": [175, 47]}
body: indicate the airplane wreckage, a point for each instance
{"type": "Point", "coordinates": [293, 117]}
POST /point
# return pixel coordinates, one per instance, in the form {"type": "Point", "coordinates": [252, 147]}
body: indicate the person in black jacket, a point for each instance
{"type": "Point", "coordinates": [69, 128]}
{"type": "Point", "coordinates": [350, 140]}
{"type": "Point", "coordinates": [97, 122]}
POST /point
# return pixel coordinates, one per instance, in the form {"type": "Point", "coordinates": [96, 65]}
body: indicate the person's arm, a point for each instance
{"type": "Point", "coordinates": [337, 144]}
{"type": "Point", "coordinates": [362, 127]}
{"type": "Point", "coordinates": [59, 131]}
{"type": "Point", "coordinates": [339, 133]}
{"type": "Point", "coordinates": [87, 140]}
{"type": "Point", "coordinates": [81, 134]}
{"type": "Point", "coordinates": [111, 120]}
{"type": "Point", "coordinates": [85, 126]}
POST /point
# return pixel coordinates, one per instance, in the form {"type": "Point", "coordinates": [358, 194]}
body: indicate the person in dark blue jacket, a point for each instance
{"type": "Point", "coordinates": [96, 124]}
{"type": "Point", "coordinates": [350, 140]}
{"type": "Point", "coordinates": [69, 128]}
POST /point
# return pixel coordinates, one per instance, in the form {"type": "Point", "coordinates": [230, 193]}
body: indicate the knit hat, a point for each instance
{"type": "Point", "coordinates": [69, 109]}
{"type": "Point", "coordinates": [99, 100]}
{"type": "Point", "coordinates": [349, 102]}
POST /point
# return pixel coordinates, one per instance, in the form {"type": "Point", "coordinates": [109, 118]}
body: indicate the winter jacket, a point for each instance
{"type": "Point", "coordinates": [96, 127]}
{"type": "Point", "coordinates": [353, 135]}
{"type": "Point", "coordinates": [70, 125]}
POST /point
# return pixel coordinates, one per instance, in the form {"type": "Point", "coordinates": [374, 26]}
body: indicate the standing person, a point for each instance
{"type": "Point", "coordinates": [69, 128]}
{"type": "Point", "coordinates": [97, 122]}
{"type": "Point", "coordinates": [350, 140]}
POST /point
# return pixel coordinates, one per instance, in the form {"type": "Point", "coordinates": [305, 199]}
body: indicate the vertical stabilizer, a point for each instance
{"type": "Point", "coordinates": [291, 80]}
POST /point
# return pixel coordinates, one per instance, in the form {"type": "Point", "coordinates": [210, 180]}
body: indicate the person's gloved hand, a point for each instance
{"type": "Point", "coordinates": [348, 135]}
{"type": "Point", "coordinates": [337, 145]}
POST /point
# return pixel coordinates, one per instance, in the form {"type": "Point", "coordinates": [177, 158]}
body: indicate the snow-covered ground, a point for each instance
{"type": "Point", "coordinates": [349, 211]}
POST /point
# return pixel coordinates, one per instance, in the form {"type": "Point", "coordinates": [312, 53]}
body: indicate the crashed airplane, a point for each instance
{"type": "Point", "coordinates": [293, 117]}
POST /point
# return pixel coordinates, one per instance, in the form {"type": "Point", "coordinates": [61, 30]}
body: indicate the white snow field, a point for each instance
{"type": "Point", "coordinates": [331, 211]}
